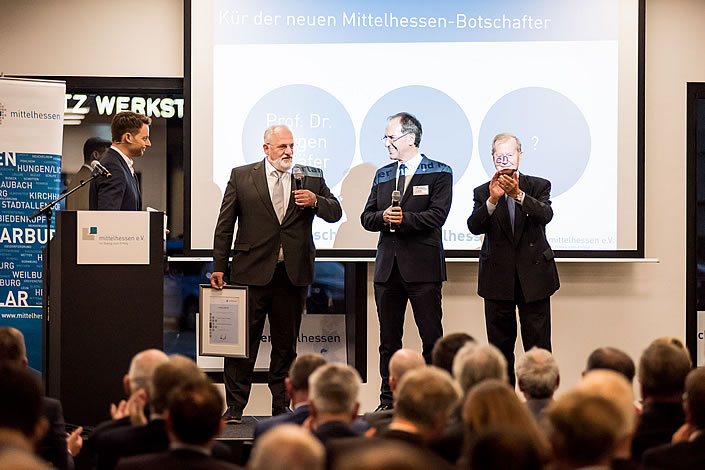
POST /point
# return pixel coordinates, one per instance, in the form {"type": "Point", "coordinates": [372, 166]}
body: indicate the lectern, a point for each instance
{"type": "Point", "coordinates": [104, 304]}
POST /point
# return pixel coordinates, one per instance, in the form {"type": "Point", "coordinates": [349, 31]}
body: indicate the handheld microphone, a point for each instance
{"type": "Point", "coordinates": [99, 169]}
{"type": "Point", "coordinates": [396, 198]}
{"type": "Point", "coordinates": [298, 180]}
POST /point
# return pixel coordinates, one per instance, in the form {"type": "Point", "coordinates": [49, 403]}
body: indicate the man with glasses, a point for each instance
{"type": "Point", "coordinates": [410, 263]}
{"type": "Point", "coordinates": [517, 268]}
{"type": "Point", "coordinates": [273, 255]}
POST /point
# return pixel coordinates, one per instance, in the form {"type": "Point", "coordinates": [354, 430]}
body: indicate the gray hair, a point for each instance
{"type": "Point", "coordinates": [287, 447]}
{"type": "Point", "coordinates": [537, 373]}
{"type": "Point", "coordinates": [334, 388]}
{"type": "Point", "coordinates": [425, 394]}
{"type": "Point", "coordinates": [506, 136]}
{"type": "Point", "coordinates": [142, 367]}
{"type": "Point", "coordinates": [270, 130]}
{"type": "Point", "coordinates": [475, 363]}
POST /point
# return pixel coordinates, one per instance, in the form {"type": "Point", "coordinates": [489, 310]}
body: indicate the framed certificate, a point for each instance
{"type": "Point", "coordinates": [223, 321]}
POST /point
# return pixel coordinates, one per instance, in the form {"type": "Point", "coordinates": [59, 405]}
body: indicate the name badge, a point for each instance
{"type": "Point", "coordinates": [421, 190]}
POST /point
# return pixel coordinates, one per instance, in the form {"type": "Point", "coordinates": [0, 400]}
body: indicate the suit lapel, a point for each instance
{"type": "Point", "coordinates": [423, 168]}
{"type": "Point", "coordinates": [130, 178]}
{"type": "Point", "coordinates": [291, 208]}
{"type": "Point", "coordinates": [259, 180]}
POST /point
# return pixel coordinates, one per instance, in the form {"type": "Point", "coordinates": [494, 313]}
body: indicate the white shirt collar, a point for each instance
{"type": "Point", "coordinates": [127, 159]}
{"type": "Point", "coordinates": [270, 168]}
{"type": "Point", "coordinates": [411, 164]}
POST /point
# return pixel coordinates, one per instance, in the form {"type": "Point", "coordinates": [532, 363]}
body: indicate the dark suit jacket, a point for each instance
{"type": "Point", "coordinates": [418, 242]}
{"type": "Point", "coordinates": [526, 252]}
{"type": "Point", "coordinates": [297, 417]}
{"type": "Point", "coordinates": [176, 459]}
{"type": "Point", "coordinates": [79, 201]}
{"type": "Point", "coordinates": [656, 427]}
{"type": "Point", "coordinates": [259, 232]}
{"type": "Point", "coordinates": [128, 441]}
{"type": "Point", "coordinates": [119, 192]}
{"type": "Point", "coordinates": [53, 447]}
{"type": "Point", "coordinates": [334, 430]}
{"type": "Point", "coordinates": [678, 456]}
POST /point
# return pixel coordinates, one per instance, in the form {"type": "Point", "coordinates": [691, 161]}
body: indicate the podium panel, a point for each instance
{"type": "Point", "coordinates": [99, 316]}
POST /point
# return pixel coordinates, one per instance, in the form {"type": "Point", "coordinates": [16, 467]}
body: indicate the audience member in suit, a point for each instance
{"type": "Point", "coordinates": [410, 263]}
{"type": "Point", "coordinates": [688, 448]}
{"type": "Point", "coordinates": [334, 390]}
{"type": "Point", "coordinates": [55, 447]}
{"type": "Point", "coordinates": [473, 364]}
{"type": "Point", "coordinates": [93, 149]}
{"type": "Point", "coordinates": [662, 372]}
{"type": "Point", "coordinates": [193, 420]}
{"type": "Point", "coordinates": [402, 361]}
{"type": "Point", "coordinates": [612, 359]}
{"type": "Point", "coordinates": [517, 267]}
{"type": "Point", "coordinates": [22, 424]}
{"type": "Point", "coordinates": [424, 401]}
{"type": "Point", "coordinates": [297, 390]}
{"type": "Point", "coordinates": [614, 387]}
{"type": "Point", "coordinates": [506, 448]}
{"type": "Point", "coordinates": [121, 192]}
{"type": "Point", "coordinates": [287, 447]}
{"type": "Point", "coordinates": [538, 379]}
{"type": "Point", "coordinates": [152, 436]}
{"type": "Point", "coordinates": [495, 403]}
{"type": "Point", "coordinates": [446, 348]}
{"type": "Point", "coordinates": [583, 430]}
{"type": "Point", "coordinates": [135, 385]}
{"type": "Point", "coordinates": [273, 255]}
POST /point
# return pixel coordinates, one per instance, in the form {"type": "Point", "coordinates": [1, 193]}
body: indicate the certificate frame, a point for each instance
{"type": "Point", "coordinates": [229, 319]}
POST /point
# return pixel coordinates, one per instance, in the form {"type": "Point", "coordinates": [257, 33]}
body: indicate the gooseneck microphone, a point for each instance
{"type": "Point", "coordinates": [396, 198]}
{"type": "Point", "coordinates": [99, 169]}
{"type": "Point", "coordinates": [298, 180]}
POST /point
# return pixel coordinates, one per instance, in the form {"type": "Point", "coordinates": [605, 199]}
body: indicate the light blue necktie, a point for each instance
{"type": "Point", "coordinates": [511, 208]}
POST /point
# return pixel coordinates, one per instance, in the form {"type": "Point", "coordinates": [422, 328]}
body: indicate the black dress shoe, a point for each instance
{"type": "Point", "coordinates": [383, 407]}
{"type": "Point", "coordinates": [280, 410]}
{"type": "Point", "coordinates": [232, 415]}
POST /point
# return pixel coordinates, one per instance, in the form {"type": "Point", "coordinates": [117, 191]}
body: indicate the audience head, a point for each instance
{"type": "Point", "coordinates": [537, 374]}
{"type": "Point", "coordinates": [194, 413]}
{"type": "Point", "coordinates": [446, 348]}
{"type": "Point", "coordinates": [287, 447]}
{"type": "Point", "coordinates": [663, 368]}
{"type": "Point", "coordinates": [12, 347]}
{"type": "Point", "coordinates": [177, 371]}
{"type": "Point", "coordinates": [19, 459]}
{"type": "Point", "coordinates": [675, 342]}
{"type": "Point", "coordinates": [612, 359]}
{"type": "Point", "coordinates": [383, 454]}
{"type": "Point", "coordinates": [614, 387]}
{"type": "Point", "coordinates": [695, 398]}
{"type": "Point", "coordinates": [506, 448]}
{"type": "Point", "coordinates": [21, 403]}
{"type": "Point", "coordinates": [302, 368]}
{"type": "Point", "coordinates": [583, 429]}
{"type": "Point", "coordinates": [142, 368]}
{"type": "Point", "coordinates": [334, 389]}
{"type": "Point", "coordinates": [495, 403]}
{"type": "Point", "coordinates": [402, 361]}
{"type": "Point", "coordinates": [475, 363]}
{"type": "Point", "coordinates": [94, 148]}
{"type": "Point", "coordinates": [426, 397]}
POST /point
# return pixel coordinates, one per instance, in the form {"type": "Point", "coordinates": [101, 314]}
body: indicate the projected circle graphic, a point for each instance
{"type": "Point", "coordinates": [324, 135]}
{"type": "Point", "coordinates": [554, 134]}
{"type": "Point", "coordinates": [447, 136]}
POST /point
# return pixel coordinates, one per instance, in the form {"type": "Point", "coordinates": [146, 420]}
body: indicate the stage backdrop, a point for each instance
{"type": "Point", "coordinates": [31, 133]}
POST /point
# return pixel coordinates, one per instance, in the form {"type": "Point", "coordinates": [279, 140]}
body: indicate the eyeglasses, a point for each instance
{"type": "Point", "coordinates": [393, 139]}
{"type": "Point", "coordinates": [283, 146]}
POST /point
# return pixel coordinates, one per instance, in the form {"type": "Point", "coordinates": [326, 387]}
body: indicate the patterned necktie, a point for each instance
{"type": "Point", "coordinates": [511, 208]}
{"type": "Point", "coordinates": [401, 182]}
{"type": "Point", "coordinates": [278, 196]}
